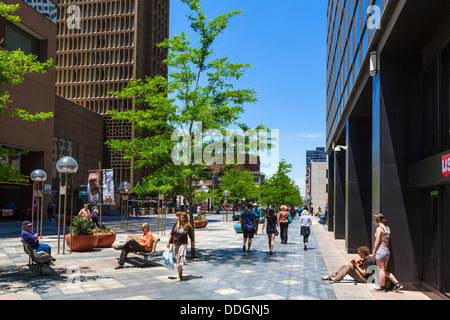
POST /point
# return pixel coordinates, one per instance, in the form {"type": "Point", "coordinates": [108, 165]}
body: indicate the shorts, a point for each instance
{"type": "Point", "coordinates": [382, 254]}
{"type": "Point", "coordinates": [249, 234]}
{"type": "Point", "coordinates": [271, 230]}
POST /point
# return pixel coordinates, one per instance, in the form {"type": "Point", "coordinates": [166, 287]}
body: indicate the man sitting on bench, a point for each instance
{"type": "Point", "coordinates": [32, 239]}
{"type": "Point", "coordinates": [143, 244]}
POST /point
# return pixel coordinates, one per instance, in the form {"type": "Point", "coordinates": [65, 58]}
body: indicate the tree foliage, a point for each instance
{"type": "Point", "coordinates": [280, 189]}
{"type": "Point", "coordinates": [200, 89]}
{"type": "Point", "coordinates": [239, 183]}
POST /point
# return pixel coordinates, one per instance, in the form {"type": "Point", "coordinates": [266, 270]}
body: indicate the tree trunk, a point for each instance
{"type": "Point", "coordinates": [191, 219]}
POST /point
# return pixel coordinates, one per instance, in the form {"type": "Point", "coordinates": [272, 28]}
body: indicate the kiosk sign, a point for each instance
{"type": "Point", "coordinates": [445, 169]}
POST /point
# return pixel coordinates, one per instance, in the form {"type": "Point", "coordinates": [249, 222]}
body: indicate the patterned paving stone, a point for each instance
{"type": "Point", "coordinates": [220, 270]}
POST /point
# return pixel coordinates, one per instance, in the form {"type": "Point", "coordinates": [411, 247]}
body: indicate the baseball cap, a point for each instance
{"type": "Point", "coordinates": [26, 223]}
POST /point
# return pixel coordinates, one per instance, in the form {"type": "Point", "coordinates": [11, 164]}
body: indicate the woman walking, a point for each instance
{"type": "Point", "coordinates": [94, 216]}
{"type": "Point", "coordinates": [272, 223]}
{"type": "Point", "coordinates": [381, 252]}
{"type": "Point", "coordinates": [179, 238]}
{"type": "Point", "coordinates": [305, 227]}
{"type": "Point", "coordinates": [284, 223]}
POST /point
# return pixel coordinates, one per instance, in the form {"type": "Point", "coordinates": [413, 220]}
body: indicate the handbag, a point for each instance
{"type": "Point", "coordinates": [168, 258]}
{"type": "Point", "coordinates": [289, 218]}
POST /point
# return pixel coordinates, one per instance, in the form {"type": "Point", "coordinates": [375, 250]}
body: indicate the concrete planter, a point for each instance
{"type": "Point", "coordinates": [82, 243]}
{"type": "Point", "coordinates": [105, 240]}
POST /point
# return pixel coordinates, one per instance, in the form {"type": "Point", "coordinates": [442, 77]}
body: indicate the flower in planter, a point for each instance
{"type": "Point", "coordinates": [102, 230]}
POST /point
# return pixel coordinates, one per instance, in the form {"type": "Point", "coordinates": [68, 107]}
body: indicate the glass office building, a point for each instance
{"type": "Point", "coordinates": [318, 155]}
{"type": "Point", "coordinates": [388, 104]}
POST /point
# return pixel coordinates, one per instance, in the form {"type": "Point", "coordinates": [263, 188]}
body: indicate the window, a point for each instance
{"type": "Point", "coordinates": [445, 100]}
{"type": "Point", "coordinates": [16, 38]}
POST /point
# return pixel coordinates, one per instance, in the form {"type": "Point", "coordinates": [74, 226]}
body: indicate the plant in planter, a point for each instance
{"type": "Point", "coordinates": [200, 222]}
{"type": "Point", "coordinates": [81, 236]}
{"type": "Point", "coordinates": [106, 237]}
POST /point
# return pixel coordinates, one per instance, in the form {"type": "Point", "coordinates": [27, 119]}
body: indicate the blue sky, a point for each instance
{"type": "Point", "coordinates": [285, 41]}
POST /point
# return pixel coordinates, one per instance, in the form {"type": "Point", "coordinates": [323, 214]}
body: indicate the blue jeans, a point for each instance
{"type": "Point", "coordinates": [44, 247]}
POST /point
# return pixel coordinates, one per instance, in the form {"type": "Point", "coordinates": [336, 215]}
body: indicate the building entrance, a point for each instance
{"type": "Point", "coordinates": [436, 245]}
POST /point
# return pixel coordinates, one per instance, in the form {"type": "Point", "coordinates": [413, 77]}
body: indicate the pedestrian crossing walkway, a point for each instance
{"type": "Point", "coordinates": [221, 270]}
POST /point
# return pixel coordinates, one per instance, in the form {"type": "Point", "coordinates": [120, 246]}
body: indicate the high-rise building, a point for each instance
{"type": "Point", "coordinates": [101, 46]}
{"type": "Point", "coordinates": [72, 131]}
{"type": "Point", "coordinates": [388, 70]}
{"type": "Point", "coordinates": [312, 156]}
{"type": "Point", "coordinates": [316, 155]}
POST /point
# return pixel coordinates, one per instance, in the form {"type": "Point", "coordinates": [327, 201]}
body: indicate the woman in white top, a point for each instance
{"type": "Point", "coordinates": [305, 227]}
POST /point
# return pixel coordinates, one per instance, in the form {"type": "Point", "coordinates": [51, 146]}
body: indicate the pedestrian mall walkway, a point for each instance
{"type": "Point", "coordinates": [221, 270]}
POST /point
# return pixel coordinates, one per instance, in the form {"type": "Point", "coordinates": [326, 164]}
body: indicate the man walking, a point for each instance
{"type": "Point", "coordinates": [249, 226]}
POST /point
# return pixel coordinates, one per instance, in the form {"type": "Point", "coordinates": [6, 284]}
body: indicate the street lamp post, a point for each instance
{"type": "Point", "coordinates": [124, 190]}
{"type": "Point", "coordinates": [37, 176]}
{"type": "Point", "coordinates": [205, 189]}
{"type": "Point", "coordinates": [226, 194]}
{"type": "Point", "coordinates": [65, 166]}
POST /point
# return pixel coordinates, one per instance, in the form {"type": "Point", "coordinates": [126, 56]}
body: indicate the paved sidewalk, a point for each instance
{"type": "Point", "coordinates": [220, 271]}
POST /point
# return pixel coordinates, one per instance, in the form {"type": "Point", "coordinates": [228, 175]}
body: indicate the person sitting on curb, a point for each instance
{"type": "Point", "coordinates": [143, 244]}
{"type": "Point", "coordinates": [358, 270]}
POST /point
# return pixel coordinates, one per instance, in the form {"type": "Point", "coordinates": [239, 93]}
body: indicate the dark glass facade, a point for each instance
{"type": "Point", "coordinates": [351, 28]}
{"type": "Point", "coordinates": [388, 70]}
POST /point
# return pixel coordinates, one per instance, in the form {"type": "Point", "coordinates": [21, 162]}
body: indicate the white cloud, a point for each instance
{"type": "Point", "coordinates": [309, 136]}
{"type": "Point", "coordinates": [301, 183]}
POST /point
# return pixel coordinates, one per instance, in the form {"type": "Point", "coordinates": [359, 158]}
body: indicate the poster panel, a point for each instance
{"type": "Point", "coordinates": [108, 187]}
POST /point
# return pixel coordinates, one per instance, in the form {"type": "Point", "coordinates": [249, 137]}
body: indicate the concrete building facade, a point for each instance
{"type": "Point", "coordinates": [101, 46]}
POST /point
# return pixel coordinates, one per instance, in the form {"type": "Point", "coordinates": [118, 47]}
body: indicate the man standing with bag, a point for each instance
{"type": "Point", "coordinates": [249, 226]}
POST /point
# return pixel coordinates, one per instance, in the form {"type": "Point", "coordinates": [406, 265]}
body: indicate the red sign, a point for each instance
{"type": "Point", "coordinates": [445, 165]}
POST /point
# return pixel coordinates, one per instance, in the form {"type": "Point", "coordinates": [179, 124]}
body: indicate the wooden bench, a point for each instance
{"type": "Point", "coordinates": [41, 259]}
{"type": "Point", "coordinates": [145, 254]}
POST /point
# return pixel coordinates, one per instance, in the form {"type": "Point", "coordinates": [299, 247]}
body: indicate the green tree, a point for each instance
{"type": "Point", "coordinates": [280, 189]}
{"type": "Point", "coordinates": [240, 184]}
{"type": "Point", "coordinates": [14, 65]}
{"type": "Point", "coordinates": [200, 90]}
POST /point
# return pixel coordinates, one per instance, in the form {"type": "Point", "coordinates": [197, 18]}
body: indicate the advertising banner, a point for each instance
{"type": "Point", "coordinates": [108, 187]}
{"type": "Point", "coordinates": [93, 188]}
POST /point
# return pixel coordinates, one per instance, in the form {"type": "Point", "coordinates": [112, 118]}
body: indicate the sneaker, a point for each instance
{"type": "Point", "coordinates": [397, 287]}
{"type": "Point", "coordinates": [380, 289]}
